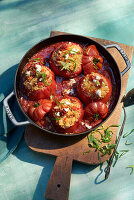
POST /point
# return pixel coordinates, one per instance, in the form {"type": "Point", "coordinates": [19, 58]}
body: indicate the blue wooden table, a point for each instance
{"type": "Point", "coordinates": [25, 174]}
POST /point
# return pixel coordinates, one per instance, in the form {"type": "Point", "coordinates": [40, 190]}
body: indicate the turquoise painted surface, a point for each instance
{"type": "Point", "coordinates": [25, 174]}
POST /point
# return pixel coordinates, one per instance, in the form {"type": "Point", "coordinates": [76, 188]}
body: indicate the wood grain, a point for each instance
{"type": "Point", "coordinates": [68, 149]}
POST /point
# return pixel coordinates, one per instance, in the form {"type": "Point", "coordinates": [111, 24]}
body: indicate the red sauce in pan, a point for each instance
{"type": "Point", "coordinates": [65, 86]}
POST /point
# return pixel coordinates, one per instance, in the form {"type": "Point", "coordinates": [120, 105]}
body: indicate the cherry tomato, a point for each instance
{"type": "Point", "coordinates": [39, 109]}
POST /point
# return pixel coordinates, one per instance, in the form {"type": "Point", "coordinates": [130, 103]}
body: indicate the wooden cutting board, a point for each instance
{"type": "Point", "coordinates": [67, 149]}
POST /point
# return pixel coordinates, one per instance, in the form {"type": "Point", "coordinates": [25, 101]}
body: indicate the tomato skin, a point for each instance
{"type": "Point", "coordinates": [91, 51]}
{"type": "Point", "coordinates": [45, 92]}
{"type": "Point", "coordinates": [88, 60]}
{"type": "Point", "coordinates": [88, 99]}
{"type": "Point", "coordinates": [37, 113]}
{"type": "Point", "coordinates": [95, 111]}
{"type": "Point", "coordinates": [70, 129]}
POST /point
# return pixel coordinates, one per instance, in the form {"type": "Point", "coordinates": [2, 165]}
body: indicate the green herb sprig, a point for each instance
{"type": "Point", "coordinates": [64, 65]}
{"type": "Point", "coordinates": [44, 77]}
{"type": "Point", "coordinates": [105, 138]}
{"type": "Point", "coordinates": [36, 104]}
{"type": "Point", "coordinates": [131, 166]}
{"type": "Point", "coordinates": [71, 51]}
{"type": "Point", "coordinates": [35, 60]}
{"type": "Point", "coordinates": [74, 64]}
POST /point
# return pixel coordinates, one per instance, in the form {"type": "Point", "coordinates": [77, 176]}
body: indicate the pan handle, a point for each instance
{"type": "Point", "coordinates": [10, 114]}
{"type": "Point", "coordinates": [123, 54]}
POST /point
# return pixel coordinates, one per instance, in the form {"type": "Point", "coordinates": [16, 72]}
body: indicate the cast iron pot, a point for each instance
{"type": "Point", "coordinates": [74, 38]}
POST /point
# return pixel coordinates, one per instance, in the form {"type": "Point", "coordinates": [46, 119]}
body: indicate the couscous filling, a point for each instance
{"type": "Point", "coordinates": [66, 112]}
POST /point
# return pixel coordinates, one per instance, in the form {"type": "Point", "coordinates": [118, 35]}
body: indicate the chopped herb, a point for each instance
{"type": "Point", "coordinates": [57, 118]}
{"type": "Point", "coordinates": [96, 60]}
{"type": "Point", "coordinates": [44, 77]}
{"type": "Point", "coordinates": [126, 143]}
{"type": "Point", "coordinates": [86, 152]}
{"type": "Point", "coordinates": [88, 51]}
{"type": "Point", "coordinates": [96, 116]}
{"type": "Point", "coordinates": [106, 136]}
{"type": "Point", "coordinates": [114, 125]}
{"type": "Point", "coordinates": [36, 104]}
{"type": "Point", "coordinates": [123, 153]}
{"type": "Point", "coordinates": [71, 51]}
{"type": "Point", "coordinates": [116, 155]}
{"type": "Point", "coordinates": [49, 82]}
{"type": "Point", "coordinates": [64, 66]}
{"type": "Point", "coordinates": [95, 67]}
{"type": "Point", "coordinates": [131, 166]}
{"type": "Point", "coordinates": [58, 102]}
{"type": "Point", "coordinates": [74, 64]}
{"type": "Point", "coordinates": [108, 148]}
{"type": "Point", "coordinates": [126, 134]}
{"type": "Point", "coordinates": [97, 83]}
{"type": "Point", "coordinates": [34, 59]}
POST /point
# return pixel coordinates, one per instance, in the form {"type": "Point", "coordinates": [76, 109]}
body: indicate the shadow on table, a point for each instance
{"type": "Point", "coordinates": [25, 154]}
{"type": "Point", "coordinates": [47, 162]}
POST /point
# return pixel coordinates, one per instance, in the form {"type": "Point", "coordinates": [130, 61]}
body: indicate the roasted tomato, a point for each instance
{"type": "Point", "coordinates": [95, 111]}
{"type": "Point", "coordinates": [38, 82]}
{"type": "Point", "coordinates": [66, 114]}
{"type": "Point", "coordinates": [38, 110]}
{"type": "Point", "coordinates": [66, 60]}
{"type": "Point", "coordinates": [91, 60]}
{"type": "Point", "coordinates": [94, 87]}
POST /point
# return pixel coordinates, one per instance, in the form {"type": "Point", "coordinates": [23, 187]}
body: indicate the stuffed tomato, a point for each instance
{"type": "Point", "coordinates": [66, 60]}
{"type": "Point", "coordinates": [94, 87]}
{"type": "Point", "coordinates": [38, 82]}
{"type": "Point", "coordinates": [91, 60]}
{"type": "Point", "coordinates": [66, 114]}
